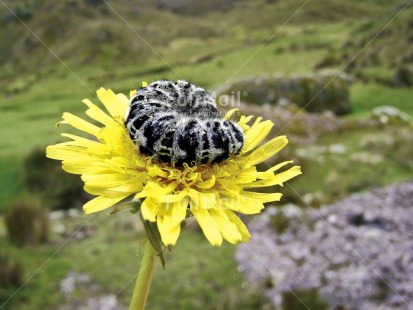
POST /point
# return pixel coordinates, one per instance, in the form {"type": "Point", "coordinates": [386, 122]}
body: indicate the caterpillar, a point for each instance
{"type": "Point", "coordinates": [178, 122]}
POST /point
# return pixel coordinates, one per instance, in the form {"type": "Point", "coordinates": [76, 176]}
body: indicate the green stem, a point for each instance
{"type": "Point", "coordinates": [143, 282]}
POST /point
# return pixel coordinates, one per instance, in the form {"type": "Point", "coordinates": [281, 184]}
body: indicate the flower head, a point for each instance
{"type": "Point", "coordinates": [115, 170]}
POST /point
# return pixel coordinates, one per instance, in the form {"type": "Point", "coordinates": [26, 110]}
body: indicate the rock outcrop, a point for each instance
{"type": "Point", "coordinates": [355, 254]}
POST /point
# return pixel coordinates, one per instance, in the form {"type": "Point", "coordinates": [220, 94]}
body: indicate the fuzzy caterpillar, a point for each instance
{"type": "Point", "coordinates": [178, 122]}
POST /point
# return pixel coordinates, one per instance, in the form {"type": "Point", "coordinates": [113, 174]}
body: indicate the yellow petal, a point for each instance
{"type": "Point", "coordinates": [123, 100]}
{"type": "Point", "coordinates": [241, 204]}
{"type": "Point", "coordinates": [96, 113]}
{"type": "Point", "coordinates": [247, 175]}
{"type": "Point", "coordinates": [140, 195]}
{"type": "Point", "coordinates": [208, 226]}
{"type": "Point", "coordinates": [66, 151]}
{"type": "Point", "coordinates": [255, 135]}
{"type": "Point", "coordinates": [111, 179]}
{"type": "Point", "coordinates": [100, 203]}
{"type": "Point", "coordinates": [230, 186]}
{"type": "Point", "coordinates": [153, 189]}
{"type": "Point", "coordinates": [115, 134]}
{"type": "Point", "coordinates": [87, 143]}
{"type": "Point", "coordinates": [265, 175]}
{"type": "Point", "coordinates": [120, 164]}
{"type": "Point", "coordinates": [169, 226]}
{"type": "Point", "coordinates": [278, 179]}
{"type": "Point", "coordinates": [81, 124]}
{"type": "Point", "coordinates": [228, 229]}
{"type": "Point", "coordinates": [268, 150]}
{"type": "Point", "coordinates": [179, 210]}
{"type": "Point", "coordinates": [172, 198]}
{"type": "Point", "coordinates": [82, 167]}
{"type": "Point", "coordinates": [231, 113]}
{"type": "Point", "coordinates": [113, 104]}
{"type": "Point", "coordinates": [262, 197]}
{"type": "Point", "coordinates": [240, 225]}
{"type": "Point", "coordinates": [207, 183]}
{"type": "Point", "coordinates": [169, 233]}
{"type": "Point", "coordinates": [244, 120]}
{"type": "Point", "coordinates": [280, 165]}
{"type": "Point", "coordinates": [202, 200]}
{"type": "Point", "coordinates": [149, 209]}
{"type": "Point", "coordinates": [114, 191]}
{"type": "Point", "coordinates": [154, 171]}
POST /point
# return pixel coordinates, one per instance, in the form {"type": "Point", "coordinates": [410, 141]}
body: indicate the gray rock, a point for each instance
{"type": "Point", "coordinates": [389, 115]}
{"type": "Point", "coordinates": [356, 254]}
{"type": "Point", "coordinates": [96, 298]}
{"type": "Point", "coordinates": [72, 282]}
{"type": "Point", "coordinates": [323, 91]}
{"type": "Point", "coordinates": [108, 302]}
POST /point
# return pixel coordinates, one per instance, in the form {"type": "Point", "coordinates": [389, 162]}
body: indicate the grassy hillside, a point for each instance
{"type": "Point", "coordinates": [100, 32]}
{"type": "Point", "coordinates": [386, 42]}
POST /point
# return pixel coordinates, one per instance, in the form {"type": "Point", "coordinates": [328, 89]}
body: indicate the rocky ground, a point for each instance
{"type": "Point", "coordinates": [355, 254]}
{"type": "Point", "coordinates": [74, 283]}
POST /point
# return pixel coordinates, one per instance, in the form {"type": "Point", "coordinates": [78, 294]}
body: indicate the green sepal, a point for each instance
{"type": "Point", "coordinates": [136, 207]}
{"type": "Point", "coordinates": [183, 224]}
{"type": "Point", "coordinates": [124, 204]}
{"type": "Point", "coordinates": [154, 237]}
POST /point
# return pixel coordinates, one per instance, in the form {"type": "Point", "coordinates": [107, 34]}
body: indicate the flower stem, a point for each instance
{"type": "Point", "coordinates": [143, 282]}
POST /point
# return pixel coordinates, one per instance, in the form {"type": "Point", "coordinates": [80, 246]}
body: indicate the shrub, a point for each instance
{"type": "Point", "coordinates": [303, 299]}
{"type": "Point", "coordinates": [332, 59]}
{"type": "Point", "coordinates": [403, 77]}
{"type": "Point", "coordinates": [26, 223]}
{"type": "Point", "coordinates": [44, 176]}
{"type": "Point", "coordinates": [10, 277]}
{"type": "Point", "coordinates": [10, 271]}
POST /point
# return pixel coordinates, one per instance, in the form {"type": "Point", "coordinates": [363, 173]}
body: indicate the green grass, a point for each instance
{"type": "Point", "coordinates": [196, 276]}
{"type": "Point", "coordinates": [10, 181]}
{"type": "Point", "coordinates": [338, 175]}
{"type": "Point", "coordinates": [366, 97]}
{"type": "Point", "coordinates": [40, 278]}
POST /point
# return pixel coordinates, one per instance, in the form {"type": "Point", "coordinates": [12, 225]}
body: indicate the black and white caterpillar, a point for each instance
{"type": "Point", "coordinates": [178, 122]}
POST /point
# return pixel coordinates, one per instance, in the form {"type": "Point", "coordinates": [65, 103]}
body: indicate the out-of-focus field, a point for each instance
{"type": "Point", "coordinates": [54, 54]}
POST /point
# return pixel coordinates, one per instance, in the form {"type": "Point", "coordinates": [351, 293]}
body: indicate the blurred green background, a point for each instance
{"type": "Point", "coordinates": [56, 53]}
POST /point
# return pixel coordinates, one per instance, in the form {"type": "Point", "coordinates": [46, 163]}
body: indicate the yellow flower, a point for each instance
{"type": "Point", "coordinates": [114, 170]}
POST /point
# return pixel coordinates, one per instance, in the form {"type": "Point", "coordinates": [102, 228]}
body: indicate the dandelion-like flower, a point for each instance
{"type": "Point", "coordinates": [116, 171]}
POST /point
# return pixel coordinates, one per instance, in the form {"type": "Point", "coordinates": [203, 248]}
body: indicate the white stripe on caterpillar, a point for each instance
{"type": "Point", "coordinates": [179, 123]}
